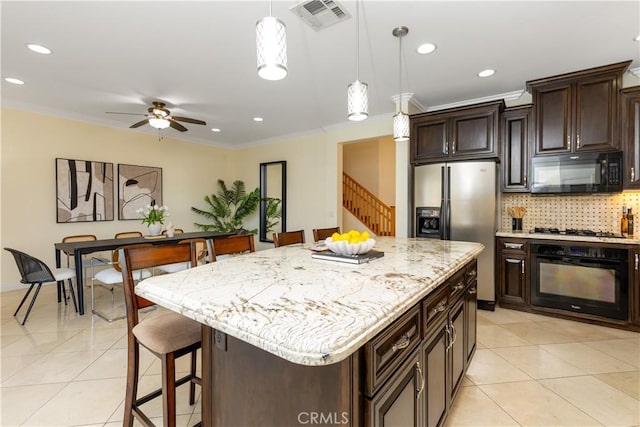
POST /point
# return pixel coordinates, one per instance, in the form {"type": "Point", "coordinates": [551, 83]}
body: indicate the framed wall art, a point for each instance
{"type": "Point", "coordinates": [138, 186]}
{"type": "Point", "coordinates": [84, 191]}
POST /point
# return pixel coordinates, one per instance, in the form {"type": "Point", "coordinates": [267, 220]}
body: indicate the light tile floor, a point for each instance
{"type": "Point", "coordinates": [61, 369]}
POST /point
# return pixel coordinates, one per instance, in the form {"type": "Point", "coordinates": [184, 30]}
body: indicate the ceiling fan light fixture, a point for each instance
{"type": "Point", "coordinates": [271, 46]}
{"type": "Point", "coordinates": [159, 122]}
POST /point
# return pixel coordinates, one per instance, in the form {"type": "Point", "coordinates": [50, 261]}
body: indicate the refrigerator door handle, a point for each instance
{"type": "Point", "coordinates": [443, 204]}
{"type": "Point", "coordinates": [447, 230]}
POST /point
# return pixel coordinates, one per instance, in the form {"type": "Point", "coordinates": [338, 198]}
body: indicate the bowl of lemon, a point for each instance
{"type": "Point", "coordinates": [352, 242]}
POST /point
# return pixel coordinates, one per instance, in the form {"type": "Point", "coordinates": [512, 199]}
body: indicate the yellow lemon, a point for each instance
{"type": "Point", "coordinates": [336, 237]}
{"type": "Point", "coordinates": [365, 236]}
{"type": "Point", "coordinates": [344, 236]}
{"type": "Point", "coordinates": [354, 233]}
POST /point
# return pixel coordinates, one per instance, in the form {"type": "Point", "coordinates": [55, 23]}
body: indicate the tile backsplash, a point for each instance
{"type": "Point", "coordinates": [601, 212]}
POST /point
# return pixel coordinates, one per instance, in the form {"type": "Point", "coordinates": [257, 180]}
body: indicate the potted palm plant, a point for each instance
{"type": "Point", "coordinates": [228, 208]}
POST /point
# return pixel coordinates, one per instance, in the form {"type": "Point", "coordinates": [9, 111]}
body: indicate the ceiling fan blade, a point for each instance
{"type": "Point", "coordinates": [140, 123]}
{"type": "Point", "coordinates": [177, 126]}
{"type": "Point", "coordinates": [130, 114]}
{"type": "Point", "coordinates": [188, 120]}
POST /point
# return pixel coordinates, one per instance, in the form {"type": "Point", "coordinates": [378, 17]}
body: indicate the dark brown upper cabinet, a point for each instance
{"type": "Point", "coordinates": [515, 133]}
{"type": "Point", "coordinates": [577, 111]}
{"type": "Point", "coordinates": [630, 130]}
{"type": "Point", "coordinates": [463, 133]}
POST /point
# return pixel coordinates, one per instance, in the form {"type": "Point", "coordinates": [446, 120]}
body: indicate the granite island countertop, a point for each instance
{"type": "Point", "coordinates": [308, 311]}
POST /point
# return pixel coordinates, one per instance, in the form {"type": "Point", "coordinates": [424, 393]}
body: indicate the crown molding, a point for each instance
{"type": "Point", "coordinates": [507, 96]}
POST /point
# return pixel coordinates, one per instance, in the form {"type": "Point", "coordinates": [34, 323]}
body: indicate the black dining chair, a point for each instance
{"type": "Point", "coordinates": [35, 272]}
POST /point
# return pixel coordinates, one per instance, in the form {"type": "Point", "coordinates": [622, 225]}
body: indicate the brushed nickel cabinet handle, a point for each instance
{"type": "Point", "coordinates": [578, 141]}
{"type": "Point", "coordinates": [402, 343]}
{"type": "Point", "coordinates": [633, 174]}
{"type": "Point", "coordinates": [568, 142]}
{"type": "Point", "coordinates": [457, 287]}
{"type": "Point", "coordinates": [443, 305]}
{"type": "Point", "coordinates": [449, 340]}
{"type": "Point", "coordinates": [513, 245]}
{"type": "Point", "coordinates": [472, 291]}
{"type": "Point", "coordinates": [522, 266]}
{"type": "Point", "coordinates": [636, 261]}
{"type": "Point", "coordinates": [454, 147]}
{"type": "Point", "coordinates": [513, 261]}
{"type": "Point", "coordinates": [421, 377]}
{"type": "Point", "coordinates": [525, 180]}
{"type": "Point", "coordinates": [445, 147]}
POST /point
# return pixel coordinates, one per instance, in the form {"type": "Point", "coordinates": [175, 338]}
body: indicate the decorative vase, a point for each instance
{"type": "Point", "coordinates": [155, 229]}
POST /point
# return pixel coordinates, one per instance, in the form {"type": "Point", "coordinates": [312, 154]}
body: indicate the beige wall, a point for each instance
{"type": "Point", "coordinates": [31, 142]}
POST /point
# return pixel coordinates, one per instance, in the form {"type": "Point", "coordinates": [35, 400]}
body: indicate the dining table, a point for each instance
{"type": "Point", "coordinates": [79, 249]}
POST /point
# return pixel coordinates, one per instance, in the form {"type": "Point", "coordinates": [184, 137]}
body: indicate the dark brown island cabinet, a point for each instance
{"type": "Point", "coordinates": [407, 375]}
{"type": "Point", "coordinates": [462, 133]}
{"type": "Point", "coordinates": [515, 134]}
{"type": "Point", "coordinates": [630, 132]}
{"type": "Point", "coordinates": [578, 111]}
{"type": "Point", "coordinates": [634, 292]}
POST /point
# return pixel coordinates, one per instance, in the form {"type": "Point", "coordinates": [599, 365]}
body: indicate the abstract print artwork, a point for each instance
{"type": "Point", "coordinates": [138, 186]}
{"type": "Point", "coordinates": [84, 191]}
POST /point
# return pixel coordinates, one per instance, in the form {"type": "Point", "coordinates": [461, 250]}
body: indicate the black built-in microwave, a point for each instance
{"type": "Point", "coordinates": [579, 173]}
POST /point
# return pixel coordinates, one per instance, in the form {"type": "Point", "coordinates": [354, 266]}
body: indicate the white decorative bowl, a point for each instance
{"type": "Point", "coordinates": [343, 247]}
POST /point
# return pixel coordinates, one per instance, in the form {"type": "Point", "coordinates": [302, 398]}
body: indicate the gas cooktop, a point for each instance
{"type": "Point", "coordinates": [575, 232]}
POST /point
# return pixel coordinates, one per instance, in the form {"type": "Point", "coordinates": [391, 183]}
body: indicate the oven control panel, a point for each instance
{"type": "Point", "coordinates": [579, 251]}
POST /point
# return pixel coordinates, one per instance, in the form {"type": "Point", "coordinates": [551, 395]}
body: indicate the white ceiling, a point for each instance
{"type": "Point", "coordinates": [199, 58]}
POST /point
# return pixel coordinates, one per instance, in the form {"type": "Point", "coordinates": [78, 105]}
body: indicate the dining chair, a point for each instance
{"type": "Point", "coordinates": [288, 238]}
{"type": "Point", "coordinates": [175, 231]}
{"type": "Point", "coordinates": [202, 257]}
{"type": "Point", "coordinates": [35, 272]}
{"type": "Point", "coordinates": [87, 263]}
{"type": "Point", "coordinates": [323, 233]}
{"type": "Point", "coordinates": [168, 336]}
{"type": "Point", "coordinates": [127, 234]}
{"type": "Point", "coordinates": [231, 245]}
{"type": "Point", "coordinates": [110, 277]}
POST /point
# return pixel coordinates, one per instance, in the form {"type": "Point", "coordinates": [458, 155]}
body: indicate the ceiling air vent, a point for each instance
{"type": "Point", "coordinates": [320, 14]}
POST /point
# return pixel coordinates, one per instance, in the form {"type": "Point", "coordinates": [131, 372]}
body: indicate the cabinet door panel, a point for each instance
{"type": "Point", "coordinates": [512, 278]}
{"type": "Point", "coordinates": [472, 135]}
{"type": "Point", "coordinates": [472, 319]}
{"type": "Point", "coordinates": [431, 139]}
{"type": "Point", "coordinates": [435, 361]}
{"type": "Point", "coordinates": [595, 114]}
{"type": "Point", "coordinates": [457, 351]}
{"type": "Point", "coordinates": [553, 119]}
{"type": "Point", "coordinates": [631, 136]}
{"type": "Point", "coordinates": [396, 404]}
{"type": "Point", "coordinates": [514, 142]}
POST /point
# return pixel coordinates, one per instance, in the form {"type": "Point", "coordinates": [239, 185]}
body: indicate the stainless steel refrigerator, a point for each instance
{"type": "Point", "coordinates": [466, 195]}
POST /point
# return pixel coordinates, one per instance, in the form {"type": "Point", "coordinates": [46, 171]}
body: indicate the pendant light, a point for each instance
{"type": "Point", "coordinates": [357, 97]}
{"type": "Point", "coordinates": [400, 120]}
{"type": "Point", "coordinates": [271, 43]}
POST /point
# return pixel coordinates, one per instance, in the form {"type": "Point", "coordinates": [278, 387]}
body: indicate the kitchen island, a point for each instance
{"type": "Point", "coordinates": [290, 340]}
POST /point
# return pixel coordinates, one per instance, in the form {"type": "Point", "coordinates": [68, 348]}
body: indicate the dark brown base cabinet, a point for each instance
{"type": "Point", "coordinates": [634, 291]}
{"type": "Point", "coordinates": [407, 375]}
{"type": "Point", "coordinates": [511, 272]}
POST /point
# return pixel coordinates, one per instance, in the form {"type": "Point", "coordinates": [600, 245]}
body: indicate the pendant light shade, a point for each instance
{"type": "Point", "coordinates": [271, 44]}
{"type": "Point", "coordinates": [400, 120]}
{"type": "Point", "coordinates": [357, 93]}
{"type": "Point", "coordinates": [400, 127]}
{"type": "Point", "coordinates": [358, 101]}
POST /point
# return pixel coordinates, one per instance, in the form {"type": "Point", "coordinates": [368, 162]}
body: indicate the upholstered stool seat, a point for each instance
{"type": "Point", "coordinates": [167, 333]}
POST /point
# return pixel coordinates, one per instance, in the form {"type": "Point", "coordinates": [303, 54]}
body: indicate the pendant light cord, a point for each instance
{"type": "Point", "coordinates": [270, 4]}
{"type": "Point", "coordinates": [400, 76]}
{"type": "Point", "coordinates": [358, 40]}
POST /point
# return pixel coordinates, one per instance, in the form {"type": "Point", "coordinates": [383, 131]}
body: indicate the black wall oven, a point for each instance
{"type": "Point", "coordinates": [583, 279]}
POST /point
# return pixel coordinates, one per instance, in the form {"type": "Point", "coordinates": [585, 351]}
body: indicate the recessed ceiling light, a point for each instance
{"type": "Point", "coordinates": [637, 39]}
{"type": "Point", "coordinates": [215, 130]}
{"type": "Point", "coordinates": [486, 73]}
{"type": "Point", "coordinates": [39, 49]}
{"type": "Point", "coordinates": [14, 81]}
{"type": "Point", "coordinates": [426, 48]}
{"type": "Point", "coordinates": [258, 119]}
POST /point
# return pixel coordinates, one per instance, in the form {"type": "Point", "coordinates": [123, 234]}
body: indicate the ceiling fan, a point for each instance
{"type": "Point", "coordinates": [160, 117]}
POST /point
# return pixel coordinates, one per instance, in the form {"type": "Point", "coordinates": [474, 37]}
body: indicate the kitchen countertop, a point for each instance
{"type": "Point", "coordinates": [309, 311]}
{"type": "Point", "coordinates": [571, 238]}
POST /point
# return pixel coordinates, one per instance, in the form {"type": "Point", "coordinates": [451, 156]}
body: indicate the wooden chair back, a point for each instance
{"type": "Point", "coordinates": [134, 257]}
{"type": "Point", "coordinates": [232, 245]}
{"type": "Point", "coordinates": [127, 234]}
{"type": "Point", "coordinates": [323, 233]}
{"type": "Point", "coordinates": [77, 238]}
{"type": "Point", "coordinates": [288, 238]}
{"type": "Point", "coordinates": [201, 248]}
{"type": "Point", "coordinates": [175, 231]}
